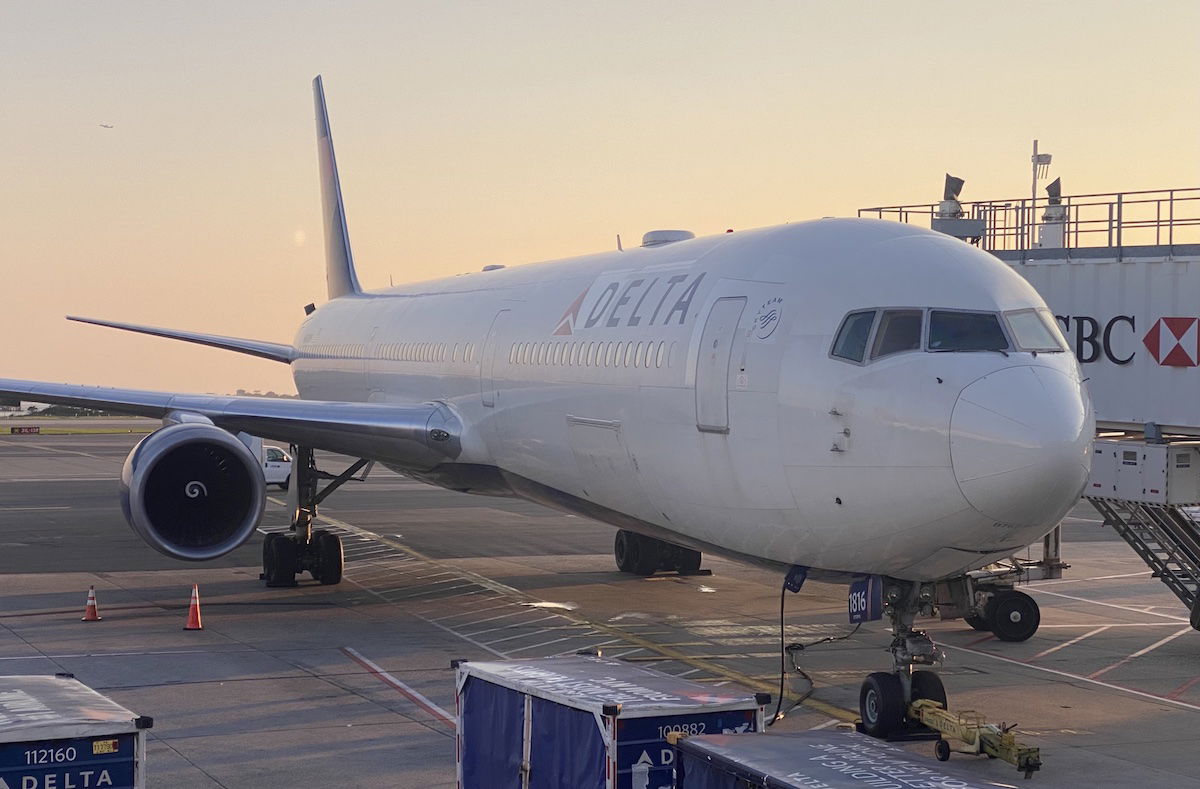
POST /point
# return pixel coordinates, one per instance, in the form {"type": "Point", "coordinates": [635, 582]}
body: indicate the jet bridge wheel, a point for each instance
{"type": "Point", "coordinates": [1013, 615]}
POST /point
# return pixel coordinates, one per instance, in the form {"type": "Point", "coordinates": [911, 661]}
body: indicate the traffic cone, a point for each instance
{"type": "Point", "coordinates": [193, 622]}
{"type": "Point", "coordinates": [90, 614]}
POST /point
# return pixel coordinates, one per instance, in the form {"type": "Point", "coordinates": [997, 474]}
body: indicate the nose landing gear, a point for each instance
{"type": "Point", "coordinates": [884, 698]}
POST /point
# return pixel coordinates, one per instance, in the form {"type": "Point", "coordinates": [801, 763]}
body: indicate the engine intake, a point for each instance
{"type": "Point", "coordinates": [192, 491]}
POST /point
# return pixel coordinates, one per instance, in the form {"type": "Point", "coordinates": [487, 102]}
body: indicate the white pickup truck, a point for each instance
{"type": "Point", "coordinates": [277, 466]}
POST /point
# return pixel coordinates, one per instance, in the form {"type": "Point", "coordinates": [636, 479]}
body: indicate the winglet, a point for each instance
{"type": "Point", "coordinates": [340, 278]}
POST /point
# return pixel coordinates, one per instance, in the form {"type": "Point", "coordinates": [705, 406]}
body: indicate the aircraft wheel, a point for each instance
{"type": "Point", "coordinates": [281, 561]}
{"type": "Point", "coordinates": [636, 554]}
{"type": "Point", "coordinates": [881, 704]}
{"type": "Point", "coordinates": [928, 685]}
{"type": "Point", "coordinates": [623, 550]}
{"type": "Point", "coordinates": [689, 561]}
{"type": "Point", "coordinates": [941, 749]}
{"type": "Point", "coordinates": [330, 558]}
{"type": "Point", "coordinates": [1013, 616]}
{"type": "Point", "coordinates": [266, 552]}
{"type": "Point", "coordinates": [977, 622]}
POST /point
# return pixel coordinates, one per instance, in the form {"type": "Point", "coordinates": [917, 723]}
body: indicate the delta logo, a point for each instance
{"type": "Point", "coordinates": [631, 301]}
{"type": "Point", "coordinates": [1174, 342]}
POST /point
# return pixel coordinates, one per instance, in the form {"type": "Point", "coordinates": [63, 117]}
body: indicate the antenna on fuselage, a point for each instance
{"type": "Point", "coordinates": [619, 247]}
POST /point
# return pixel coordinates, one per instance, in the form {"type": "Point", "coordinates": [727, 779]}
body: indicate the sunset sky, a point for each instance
{"type": "Point", "coordinates": [477, 133]}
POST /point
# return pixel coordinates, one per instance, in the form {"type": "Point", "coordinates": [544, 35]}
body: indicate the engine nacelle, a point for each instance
{"type": "Point", "coordinates": [193, 491]}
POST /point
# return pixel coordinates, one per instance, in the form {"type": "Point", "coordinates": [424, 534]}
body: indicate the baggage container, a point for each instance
{"type": "Point", "coordinates": [583, 722]}
{"type": "Point", "coordinates": [57, 733]}
{"type": "Point", "coordinates": [811, 759]}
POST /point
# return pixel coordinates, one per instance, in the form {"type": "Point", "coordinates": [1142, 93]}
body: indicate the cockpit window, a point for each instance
{"type": "Point", "coordinates": [1035, 330]}
{"type": "Point", "coordinates": [965, 331]}
{"type": "Point", "coordinates": [851, 342]}
{"type": "Point", "coordinates": [899, 330]}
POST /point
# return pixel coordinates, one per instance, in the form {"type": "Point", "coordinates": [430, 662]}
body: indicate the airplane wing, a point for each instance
{"type": "Point", "coordinates": [265, 350]}
{"type": "Point", "coordinates": [420, 436]}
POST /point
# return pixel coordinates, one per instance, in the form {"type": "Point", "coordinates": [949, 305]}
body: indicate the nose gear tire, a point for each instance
{"type": "Point", "coordinates": [881, 704]}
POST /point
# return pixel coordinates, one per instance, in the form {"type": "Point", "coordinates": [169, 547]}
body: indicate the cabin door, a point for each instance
{"type": "Point", "coordinates": [712, 364]}
{"type": "Point", "coordinates": [489, 361]}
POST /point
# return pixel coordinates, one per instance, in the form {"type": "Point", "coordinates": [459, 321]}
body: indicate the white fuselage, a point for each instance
{"type": "Point", "coordinates": [729, 426]}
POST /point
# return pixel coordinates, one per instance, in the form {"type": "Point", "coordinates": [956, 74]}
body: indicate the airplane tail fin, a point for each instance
{"type": "Point", "coordinates": [340, 278]}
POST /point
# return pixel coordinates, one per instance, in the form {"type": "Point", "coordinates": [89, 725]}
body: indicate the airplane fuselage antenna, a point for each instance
{"type": "Point", "coordinates": [619, 247]}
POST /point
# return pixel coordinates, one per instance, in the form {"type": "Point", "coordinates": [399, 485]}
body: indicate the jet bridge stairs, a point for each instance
{"type": "Point", "coordinates": [1166, 537]}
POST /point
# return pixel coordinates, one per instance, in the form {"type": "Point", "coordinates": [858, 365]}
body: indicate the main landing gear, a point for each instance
{"type": "Point", "coordinates": [635, 553]}
{"type": "Point", "coordinates": [1009, 615]}
{"type": "Point", "coordinates": [885, 697]}
{"type": "Point", "coordinates": [319, 552]}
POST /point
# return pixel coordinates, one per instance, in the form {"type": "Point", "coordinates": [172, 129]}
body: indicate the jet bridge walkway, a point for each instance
{"type": "Point", "coordinates": [1167, 539]}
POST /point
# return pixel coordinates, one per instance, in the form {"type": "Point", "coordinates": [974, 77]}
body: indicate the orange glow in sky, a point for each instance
{"type": "Point", "coordinates": [469, 134]}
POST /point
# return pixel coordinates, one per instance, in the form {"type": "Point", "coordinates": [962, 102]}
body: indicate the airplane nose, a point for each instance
{"type": "Point", "coordinates": [1019, 444]}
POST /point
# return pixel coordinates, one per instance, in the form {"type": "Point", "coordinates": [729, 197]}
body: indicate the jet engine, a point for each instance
{"type": "Point", "coordinates": [193, 491]}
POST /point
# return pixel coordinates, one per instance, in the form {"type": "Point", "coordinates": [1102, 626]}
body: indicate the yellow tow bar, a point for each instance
{"type": "Point", "coordinates": [976, 736]}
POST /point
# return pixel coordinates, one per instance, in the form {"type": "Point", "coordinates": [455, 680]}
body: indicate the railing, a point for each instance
{"type": "Point", "coordinates": [1162, 217]}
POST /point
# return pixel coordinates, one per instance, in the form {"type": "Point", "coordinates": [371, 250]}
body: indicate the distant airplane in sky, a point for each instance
{"type": "Point", "coordinates": [847, 398]}
{"type": "Point", "coordinates": [106, 126]}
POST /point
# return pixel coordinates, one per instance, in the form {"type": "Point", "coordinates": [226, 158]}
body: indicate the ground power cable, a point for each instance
{"type": "Point", "coordinates": [792, 651]}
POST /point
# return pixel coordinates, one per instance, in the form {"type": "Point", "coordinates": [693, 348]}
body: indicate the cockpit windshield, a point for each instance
{"type": "Point", "coordinates": [965, 331]}
{"type": "Point", "coordinates": [1035, 330]}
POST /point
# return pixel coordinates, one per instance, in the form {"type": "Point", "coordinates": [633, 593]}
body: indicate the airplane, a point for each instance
{"type": "Point", "coordinates": [840, 399]}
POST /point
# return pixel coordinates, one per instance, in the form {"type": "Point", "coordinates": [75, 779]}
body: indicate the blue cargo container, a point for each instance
{"type": "Point", "coordinates": [57, 733]}
{"type": "Point", "coordinates": [583, 722]}
{"type": "Point", "coordinates": [816, 760]}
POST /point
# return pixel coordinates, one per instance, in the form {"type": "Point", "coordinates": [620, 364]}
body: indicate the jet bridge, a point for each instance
{"type": "Point", "coordinates": [1121, 272]}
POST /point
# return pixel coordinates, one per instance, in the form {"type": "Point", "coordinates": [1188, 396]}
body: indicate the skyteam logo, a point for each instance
{"type": "Point", "coordinates": [631, 300]}
{"type": "Point", "coordinates": [1174, 342]}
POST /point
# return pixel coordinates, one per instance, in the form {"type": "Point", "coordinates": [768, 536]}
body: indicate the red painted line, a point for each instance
{"type": "Point", "coordinates": [980, 640]}
{"type": "Point", "coordinates": [1184, 688]}
{"type": "Point", "coordinates": [411, 694]}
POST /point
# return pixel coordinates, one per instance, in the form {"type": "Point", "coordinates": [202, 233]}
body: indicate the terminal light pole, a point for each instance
{"type": "Point", "coordinates": [1041, 164]}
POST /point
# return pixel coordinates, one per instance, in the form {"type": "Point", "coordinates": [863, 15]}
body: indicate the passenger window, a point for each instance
{"type": "Point", "coordinates": [899, 330]}
{"type": "Point", "coordinates": [608, 354]}
{"type": "Point", "coordinates": [965, 331]}
{"type": "Point", "coordinates": [851, 341]}
{"type": "Point", "coordinates": [591, 349]}
{"type": "Point", "coordinates": [628, 354]}
{"type": "Point", "coordinates": [637, 356]}
{"type": "Point", "coordinates": [662, 349]}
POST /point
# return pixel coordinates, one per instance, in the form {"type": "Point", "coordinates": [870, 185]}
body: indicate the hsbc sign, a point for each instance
{"type": "Point", "coordinates": [1170, 341]}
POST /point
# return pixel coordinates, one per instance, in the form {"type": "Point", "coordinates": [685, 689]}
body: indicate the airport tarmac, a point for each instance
{"type": "Point", "coordinates": [351, 686]}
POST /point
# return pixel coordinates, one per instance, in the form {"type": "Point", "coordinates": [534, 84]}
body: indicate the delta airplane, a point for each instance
{"type": "Point", "coordinates": [849, 398]}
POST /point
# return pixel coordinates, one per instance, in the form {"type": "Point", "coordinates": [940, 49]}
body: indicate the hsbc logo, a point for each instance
{"type": "Point", "coordinates": [1174, 342]}
{"type": "Point", "coordinates": [1171, 342]}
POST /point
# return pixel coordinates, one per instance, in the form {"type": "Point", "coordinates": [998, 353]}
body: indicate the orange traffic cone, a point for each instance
{"type": "Point", "coordinates": [90, 614]}
{"type": "Point", "coordinates": [193, 622]}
